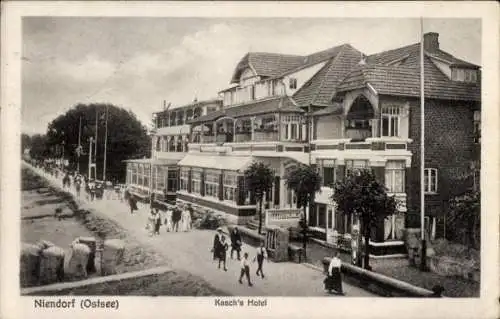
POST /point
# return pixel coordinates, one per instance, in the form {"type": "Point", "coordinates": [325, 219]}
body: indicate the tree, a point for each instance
{"type": "Point", "coordinates": [39, 147]}
{"type": "Point", "coordinates": [464, 220]}
{"type": "Point", "coordinates": [127, 137]}
{"type": "Point", "coordinates": [361, 195]}
{"type": "Point", "coordinates": [259, 179]}
{"type": "Point", "coordinates": [305, 181]}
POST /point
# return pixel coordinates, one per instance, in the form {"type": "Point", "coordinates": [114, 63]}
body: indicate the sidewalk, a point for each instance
{"type": "Point", "coordinates": [190, 251]}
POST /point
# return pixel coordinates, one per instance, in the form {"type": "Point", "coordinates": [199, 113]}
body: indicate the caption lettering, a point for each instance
{"type": "Point", "coordinates": [241, 302]}
{"type": "Point", "coordinates": [86, 303]}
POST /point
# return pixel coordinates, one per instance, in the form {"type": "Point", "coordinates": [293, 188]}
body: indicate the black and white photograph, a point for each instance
{"type": "Point", "coordinates": [244, 158]}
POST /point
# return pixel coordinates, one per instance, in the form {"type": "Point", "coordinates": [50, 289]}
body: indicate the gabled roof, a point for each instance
{"type": "Point", "coordinates": [404, 80]}
{"type": "Point", "coordinates": [279, 104]}
{"type": "Point", "coordinates": [320, 89]}
{"type": "Point", "coordinates": [335, 108]}
{"type": "Point", "coordinates": [275, 64]}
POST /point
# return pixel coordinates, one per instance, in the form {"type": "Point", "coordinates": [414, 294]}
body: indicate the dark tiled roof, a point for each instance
{"type": "Point", "coordinates": [320, 89]}
{"type": "Point", "coordinates": [404, 80]}
{"type": "Point", "coordinates": [275, 64]}
{"type": "Point", "coordinates": [283, 104]}
{"type": "Point", "coordinates": [267, 64]}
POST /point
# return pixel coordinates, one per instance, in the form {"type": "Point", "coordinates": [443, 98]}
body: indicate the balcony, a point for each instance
{"type": "Point", "coordinates": [368, 144]}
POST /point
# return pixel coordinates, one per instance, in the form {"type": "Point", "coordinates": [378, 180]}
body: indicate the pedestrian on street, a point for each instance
{"type": "Point", "coordinates": [132, 202]}
{"type": "Point", "coordinates": [216, 245]}
{"type": "Point", "coordinates": [186, 220]}
{"type": "Point", "coordinates": [176, 218]}
{"type": "Point", "coordinates": [157, 222]}
{"type": "Point", "coordinates": [222, 251]}
{"type": "Point", "coordinates": [260, 256]}
{"type": "Point", "coordinates": [168, 220]}
{"type": "Point", "coordinates": [235, 242]}
{"type": "Point", "coordinates": [334, 279]}
{"type": "Point", "coordinates": [245, 269]}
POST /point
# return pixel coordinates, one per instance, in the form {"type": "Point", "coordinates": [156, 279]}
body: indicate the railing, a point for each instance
{"type": "Point", "coordinates": [265, 136]}
{"type": "Point", "coordinates": [282, 216]}
{"type": "Point", "coordinates": [370, 143]}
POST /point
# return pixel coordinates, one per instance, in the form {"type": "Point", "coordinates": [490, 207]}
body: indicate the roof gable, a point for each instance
{"type": "Point", "coordinates": [320, 89]}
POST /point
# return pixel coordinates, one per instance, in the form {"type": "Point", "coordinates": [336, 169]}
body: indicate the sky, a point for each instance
{"type": "Point", "coordinates": [136, 63]}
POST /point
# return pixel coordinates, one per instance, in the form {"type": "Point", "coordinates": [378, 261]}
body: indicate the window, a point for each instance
{"type": "Point", "coordinates": [292, 127]}
{"type": "Point", "coordinates": [395, 176]}
{"type": "Point", "coordinates": [212, 183]}
{"type": "Point", "coordinates": [171, 144]}
{"type": "Point", "coordinates": [140, 174]}
{"type": "Point", "coordinates": [196, 180]}
{"type": "Point", "coordinates": [172, 119]}
{"type": "Point", "coordinates": [147, 175]}
{"type": "Point", "coordinates": [161, 172]}
{"type": "Point", "coordinates": [184, 179]}
{"type": "Point", "coordinates": [477, 127]}
{"type": "Point", "coordinates": [180, 118]}
{"type": "Point", "coordinates": [464, 75]}
{"type": "Point", "coordinates": [327, 171]}
{"type": "Point", "coordinates": [355, 165]}
{"type": "Point", "coordinates": [391, 116]}
{"type": "Point", "coordinates": [430, 180]}
{"type": "Point", "coordinates": [293, 84]}
{"type": "Point", "coordinates": [178, 144]}
{"type": "Point", "coordinates": [172, 180]}
{"type": "Point", "coordinates": [230, 186]}
{"type": "Point", "coordinates": [291, 199]}
{"type": "Point", "coordinates": [393, 227]}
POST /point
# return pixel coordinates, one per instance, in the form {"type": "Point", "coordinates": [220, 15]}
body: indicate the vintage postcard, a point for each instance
{"type": "Point", "coordinates": [208, 159]}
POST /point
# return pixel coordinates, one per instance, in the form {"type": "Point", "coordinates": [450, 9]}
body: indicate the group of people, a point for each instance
{"type": "Point", "coordinates": [174, 219]}
{"type": "Point", "coordinates": [220, 248]}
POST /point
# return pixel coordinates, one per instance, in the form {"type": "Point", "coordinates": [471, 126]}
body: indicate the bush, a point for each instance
{"type": "Point", "coordinates": [210, 220]}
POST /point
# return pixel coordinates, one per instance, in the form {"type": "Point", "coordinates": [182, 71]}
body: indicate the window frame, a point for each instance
{"type": "Point", "coordinates": [392, 171]}
{"type": "Point", "coordinates": [196, 180]}
{"type": "Point", "coordinates": [211, 183]}
{"type": "Point", "coordinates": [428, 177]}
{"type": "Point", "coordinates": [321, 166]}
{"type": "Point", "coordinates": [393, 114]}
{"type": "Point", "coordinates": [292, 83]}
{"type": "Point", "coordinates": [347, 168]}
{"type": "Point", "coordinates": [229, 184]}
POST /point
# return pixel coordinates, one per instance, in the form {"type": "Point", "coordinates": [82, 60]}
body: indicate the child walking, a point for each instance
{"type": "Point", "coordinates": [245, 269]}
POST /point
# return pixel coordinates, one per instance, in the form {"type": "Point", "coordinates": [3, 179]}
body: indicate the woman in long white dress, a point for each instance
{"type": "Point", "coordinates": [168, 220]}
{"type": "Point", "coordinates": [186, 220]}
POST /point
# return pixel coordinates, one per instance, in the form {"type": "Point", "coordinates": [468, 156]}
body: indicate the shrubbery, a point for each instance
{"type": "Point", "coordinates": [209, 220]}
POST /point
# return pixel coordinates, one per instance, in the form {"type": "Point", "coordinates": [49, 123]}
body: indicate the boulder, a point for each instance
{"type": "Point", "coordinates": [30, 264]}
{"type": "Point", "coordinates": [112, 255]}
{"type": "Point", "coordinates": [76, 261]}
{"type": "Point", "coordinates": [44, 244]}
{"type": "Point", "coordinates": [52, 265]}
{"type": "Point", "coordinates": [92, 244]}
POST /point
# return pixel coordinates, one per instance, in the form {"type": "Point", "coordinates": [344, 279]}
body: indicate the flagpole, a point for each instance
{"type": "Point", "coordinates": [79, 145]}
{"type": "Point", "coordinates": [96, 130]}
{"type": "Point", "coordinates": [423, 256]}
{"type": "Point", "coordinates": [105, 145]}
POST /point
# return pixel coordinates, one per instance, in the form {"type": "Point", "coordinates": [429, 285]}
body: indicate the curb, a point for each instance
{"type": "Point", "coordinates": [94, 281]}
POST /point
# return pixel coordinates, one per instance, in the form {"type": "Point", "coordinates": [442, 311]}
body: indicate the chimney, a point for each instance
{"type": "Point", "coordinates": [431, 42]}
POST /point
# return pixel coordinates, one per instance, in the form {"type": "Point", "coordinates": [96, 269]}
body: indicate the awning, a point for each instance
{"type": "Point", "coordinates": [222, 162]}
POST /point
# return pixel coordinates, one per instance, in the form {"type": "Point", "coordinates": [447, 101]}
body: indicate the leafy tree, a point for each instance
{"type": "Point", "coordinates": [127, 137]}
{"type": "Point", "coordinates": [361, 195]}
{"type": "Point", "coordinates": [305, 181]}
{"type": "Point", "coordinates": [25, 142]}
{"type": "Point", "coordinates": [464, 220]}
{"type": "Point", "coordinates": [39, 147]}
{"type": "Point", "coordinates": [259, 179]}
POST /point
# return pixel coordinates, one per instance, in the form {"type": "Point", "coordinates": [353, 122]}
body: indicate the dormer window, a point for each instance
{"type": "Point", "coordinates": [293, 83]}
{"type": "Point", "coordinates": [464, 75]}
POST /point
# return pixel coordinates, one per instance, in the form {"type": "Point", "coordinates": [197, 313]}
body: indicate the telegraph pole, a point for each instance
{"type": "Point", "coordinates": [79, 145]}
{"type": "Point", "coordinates": [90, 158]}
{"type": "Point", "coordinates": [105, 146]}
{"type": "Point", "coordinates": [96, 130]}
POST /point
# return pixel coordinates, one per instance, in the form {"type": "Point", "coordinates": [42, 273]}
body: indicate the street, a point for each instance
{"type": "Point", "coordinates": [190, 251]}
